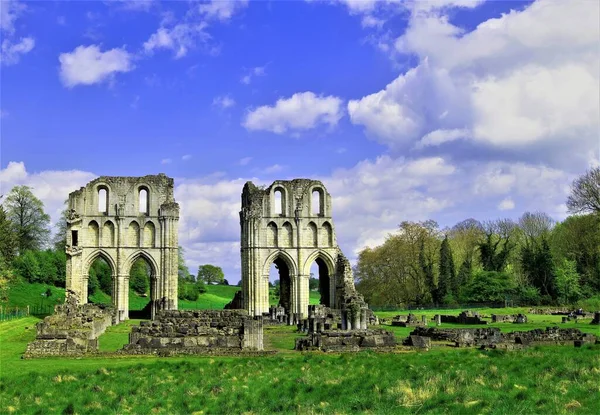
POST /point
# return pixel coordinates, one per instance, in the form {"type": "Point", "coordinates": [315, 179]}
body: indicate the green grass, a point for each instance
{"type": "Point", "coordinates": [22, 294]}
{"type": "Point", "coordinates": [541, 380]}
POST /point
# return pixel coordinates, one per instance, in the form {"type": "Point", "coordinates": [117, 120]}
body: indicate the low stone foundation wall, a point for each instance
{"type": "Point", "coordinates": [347, 341]}
{"type": "Point", "coordinates": [466, 317]}
{"type": "Point", "coordinates": [409, 321]}
{"type": "Point", "coordinates": [72, 330]}
{"type": "Point", "coordinates": [509, 318]}
{"type": "Point", "coordinates": [493, 337]}
{"type": "Point", "coordinates": [197, 332]}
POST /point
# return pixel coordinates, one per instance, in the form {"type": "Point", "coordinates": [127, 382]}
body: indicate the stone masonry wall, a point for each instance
{"type": "Point", "coordinates": [197, 332]}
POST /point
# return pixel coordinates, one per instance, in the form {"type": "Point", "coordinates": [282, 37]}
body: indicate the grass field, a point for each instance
{"type": "Point", "coordinates": [544, 380]}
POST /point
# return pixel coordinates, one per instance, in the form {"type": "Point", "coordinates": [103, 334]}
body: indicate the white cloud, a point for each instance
{"type": "Point", "coordinates": [221, 9]}
{"type": "Point", "coordinates": [244, 161]}
{"type": "Point", "coordinates": [135, 5]}
{"type": "Point", "coordinates": [9, 13]}
{"type": "Point", "coordinates": [224, 101]}
{"type": "Point", "coordinates": [252, 73]}
{"type": "Point", "coordinates": [11, 52]}
{"type": "Point", "coordinates": [166, 161]}
{"type": "Point", "coordinates": [301, 111]}
{"type": "Point", "coordinates": [87, 65]}
{"type": "Point", "coordinates": [506, 204]}
{"type": "Point", "coordinates": [186, 157]}
{"type": "Point", "coordinates": [180, 38]}
{"type": "Point", "coordinates": [524, 83]}
{"type": "Point", "coordinates": [275, 168]}
{"type": "Point", "coordinates": [370, 21]}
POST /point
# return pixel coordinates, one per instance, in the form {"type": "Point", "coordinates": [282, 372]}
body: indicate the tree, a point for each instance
{"type": "Point", "coordinates": [59, 241]}
{"type": "Point", "coordinates": [447, 283]}
{"type": "Point", "coordinates": [585, 193]}
{"type": "Point", "coordinates": [210, 274]}
{"type": "Point", "coordinates": [182, 269]}
{"type": "Point", "coordinates": [490, 286]}
{"type": "Point", "coordinates": [138, 277]}
{"type": "Point", "coordinates": [567, 282]}
{"type": "Point", "coordinates": [100, 271]}
{"type": "Point", "coordinates": [537, 264]}
{"type": "Point", "coordinates": [7, 239]}
{"type": "Point", "coordinates": [497, 244]}
{"type": "Point", "coordinates": [28, 267]}
{"type": "Point", "coordinates": [30, 222]}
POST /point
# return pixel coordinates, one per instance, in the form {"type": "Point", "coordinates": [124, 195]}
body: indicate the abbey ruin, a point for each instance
{"type": "Point", "coordinates": [122, 219]}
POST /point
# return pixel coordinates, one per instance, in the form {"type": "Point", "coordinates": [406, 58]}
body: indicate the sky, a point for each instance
{"type": "Point", "coordinates": [406, 110]}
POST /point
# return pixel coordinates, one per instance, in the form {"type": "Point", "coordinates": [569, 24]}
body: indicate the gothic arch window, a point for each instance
{"type": "Point", "coordinates": [144, 200]}
{"type": "Point", "coordinates": [279, 202]}
{"type": "Point", "coordinates": [317, 202]}
{"type": "Point", "coordinates": [103, 199]}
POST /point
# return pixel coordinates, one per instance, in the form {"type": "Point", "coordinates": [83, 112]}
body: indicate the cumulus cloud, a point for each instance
{"type": "Point", "coordinates": [88, 65]}
{"type": "Point", "coordinates": [252, 73]}
{"type": "Point", "coordinates": [522, 85]}
{"type": "Point", "coordinates": [179, 38]}
{"type": "Point", "coordinates": [224, 101]}
{"type": "Point", "coordinates": [221, 9]}
{"type": "Point", "coordinates": [11, 52]}
{"type": "Point", "coordinates": [12, 49]}
{"type": "Point", "coordinates": [302, 111]}
{"type": "Point", "coordinates": [506, 204]}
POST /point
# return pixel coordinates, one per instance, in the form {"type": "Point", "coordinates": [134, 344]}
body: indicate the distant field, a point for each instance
{"type": "Point", "coordinates": [541, 380]}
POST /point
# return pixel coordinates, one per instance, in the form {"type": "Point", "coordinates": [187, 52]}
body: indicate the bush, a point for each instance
{"type": "Point", "coordinates": [490, 286]}
{"type": "Point", "coordinates": [528, 295]}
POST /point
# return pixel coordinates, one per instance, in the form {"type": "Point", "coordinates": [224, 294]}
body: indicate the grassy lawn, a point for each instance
{"type": "Point", "coordinates": [540, 380]}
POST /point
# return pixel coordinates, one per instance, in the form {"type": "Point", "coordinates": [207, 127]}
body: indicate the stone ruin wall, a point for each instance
{"type": "Point", "coordinates": [284, 224]}
{"type": "Point", "coordinates": [73, 329]}
{"type": "Point", "coordinates": [197, 332]}
{"type": "Point", "coordinates": [121, 219]}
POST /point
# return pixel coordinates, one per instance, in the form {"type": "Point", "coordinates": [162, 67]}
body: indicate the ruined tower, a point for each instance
{"type": "Point", "coordinates": [122, 219]}
{"type": "Point", "coordinates": [289, 224]}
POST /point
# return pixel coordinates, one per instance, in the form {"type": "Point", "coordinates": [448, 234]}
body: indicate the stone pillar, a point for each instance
{"type": "Point", "coordinates": [363, 319]}
{"type": "Point", "coordinates": [438, 319]}
{"type": "Point", "coordinates": [356, 321]}
{"type": "Point", "coordinates": [84, 289]}
{"type": "Point", "coordinates": [424, 319]}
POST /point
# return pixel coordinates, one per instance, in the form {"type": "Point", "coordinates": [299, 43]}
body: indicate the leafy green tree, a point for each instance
{"type": "Point", "coordinates": [497, 244]}
{"type": "Point", "coordinates": [585, 193]}
{"type": "Point", "coordinates": [490, 286]}
{"type": "Point", "coordinates": [138, 277]}
{"type": "Point", "coordinates": [429, 275]}
{"type": "Point", "coordinates": [447, 282]}
{"type": "Point", "coordinates": [59, 240]}
{"type": "Point", "coordinates": [8, 243]}
{"type": "Point", "coordinates": [29, 221]}
{"type": "Point", "coordinates": [28, 267]}
{"type": "Point", "coordinates": [210, 274]}
{"type": "Point", "coordinates": [567, 282]}
{"type": "Point", "coordinates": [313, 283]}
{"type": "Point", "coordinates": [100, 270]}
{"type": "Point", "coordinates": [538, 266]}
{"type": "Point", "coordinates": [182, 270]}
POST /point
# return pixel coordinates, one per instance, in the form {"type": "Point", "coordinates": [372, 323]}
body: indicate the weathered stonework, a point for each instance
{"type": "Point", "coordinates": [122, 219]}
{"type": "Point", "coordinates": [465, 317]}
{"type": "Point", "coordinates": [347, 341]}
{"type": "Point", "coordinates": [73, 329]}
{"type": "Point", "coordinates": [493, 337]}
{"type": "Point", "coordinates": [509, 318]}
{"type": "Point", "coordinates": [197, 332]}
{"type": "Point", "coordinates": [287, 225]}
{"type": "Point", "coordinates": [408, 321]}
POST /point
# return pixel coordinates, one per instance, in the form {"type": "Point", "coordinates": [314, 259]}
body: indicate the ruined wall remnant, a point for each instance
{"type": "Point", "coordinates": [73, 329]}
{"type": "Point", "coordinates": [347, 341]}
{"type": "Point", "coordinates": [122, 219]}
{"type": "Point", "coordinates": [197, 332]}
{"type": "Point", "coordinates": [290, 224]}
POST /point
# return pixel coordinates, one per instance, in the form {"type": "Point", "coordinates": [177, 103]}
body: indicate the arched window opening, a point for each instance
{"type": "Point", "coordinates": [280, 285]}
{"type": "Point", "coordinates": [140, 286]}
{"type": "Point", "coordinates": [319, 284]}
{"type": "Point", "coordinates": [326, 235]}
{"type": "Point", "coordinates": [100, 282]}
{"type": "Point", "coordinates": [279, 202]}
{"type": "Point", "coordinates": [317, 202]}
{"type": "Point", "coordinates": [143, 201]}
{"type": "Point", "coordinates": [103, 200]}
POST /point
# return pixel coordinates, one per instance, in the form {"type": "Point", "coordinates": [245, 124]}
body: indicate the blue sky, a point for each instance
{"type": "Point", "coordinates": [406, 110]}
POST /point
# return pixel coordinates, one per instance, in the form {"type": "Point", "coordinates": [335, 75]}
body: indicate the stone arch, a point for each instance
{"type": "Point", "coordinates": [326, 235]}
{"type": "Point", "coordinates": [286, 236]}
{"type": "Point", "coordinates": [326, 275]}
{"type": "Point", "coordinates": [317, 201]}
{"type": "Point", "coordinates": [102, 198]}
{"type": "Point", "coordinates": [283, 255]}
{"type": "Point", "coordinates": [93, 233]}
{"type": "Point", "coordinates": [272, 234]}
{"type": "Point", "coordinates": [108, 234]}
{"type": "Point", "coordinates": [312, 237]}
{"type": "Point", "coordinates": [286, 268]}
{"type": "Point", "coordinates": [149, 235]}
{"type": "Point", "coordinates": [137, 255]}
{"type": "Point", "coordinates": [279, 203]}
{"type": "Point", "coordinates": [133, 234]}
{"type": "Point", "coordinates": [104, 255]}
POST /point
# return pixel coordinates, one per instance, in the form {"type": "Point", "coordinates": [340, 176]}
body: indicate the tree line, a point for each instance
{"type": "Point", "coordinates": [532, 260]}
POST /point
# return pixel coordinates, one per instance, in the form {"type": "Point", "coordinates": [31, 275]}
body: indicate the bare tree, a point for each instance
{"type": "Point", "coordinates": [585, 193]}
{"type": "Point", "coordinates": [534, 225]}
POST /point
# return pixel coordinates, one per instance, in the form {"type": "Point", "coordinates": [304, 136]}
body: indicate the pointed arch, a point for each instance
{"type": "Point", "coordinates": [104, 255]}
{"type": "Point", "coordinates": [108, 234]}
{"type": "Point", "coordinates": [133, 234]}
{"type": "Point", "coordinates": [286, 238]}
{"type": "Point", "coordinates": [144, 255]}
{"type": "Point", "coordinates": [283, 255]}
{"type": "Point", "coordinates": [272, 234]}
{"type": "Point", "coordinates": [326, 235]}
{"type": "Point", "coordinates": [312, 238]}
{"type": "Point", "coordinates": [93, 233]}
{"type": "Point", "coordinates": [149, 235]}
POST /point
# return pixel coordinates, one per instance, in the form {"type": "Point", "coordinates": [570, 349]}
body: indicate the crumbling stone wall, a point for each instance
{"type": "Point", "coordinates": [285, 225]}
{"type": "Point", "coordinates": [122, 219]}
{"type": "Point", "coordinates": [73, 329]}
{"type": "Point", "coordinates": [465, 317]}
{"type": "Point", "coordinates": [509, 318]}
{"type": "Point", "coordinates": [493, 337]}
{"type": "Point", "coordinates": [347, 341]}
{"type": "Point", "coordinates": [197, 332]}
{"type": "Point", "coordinates": [409, 320]}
